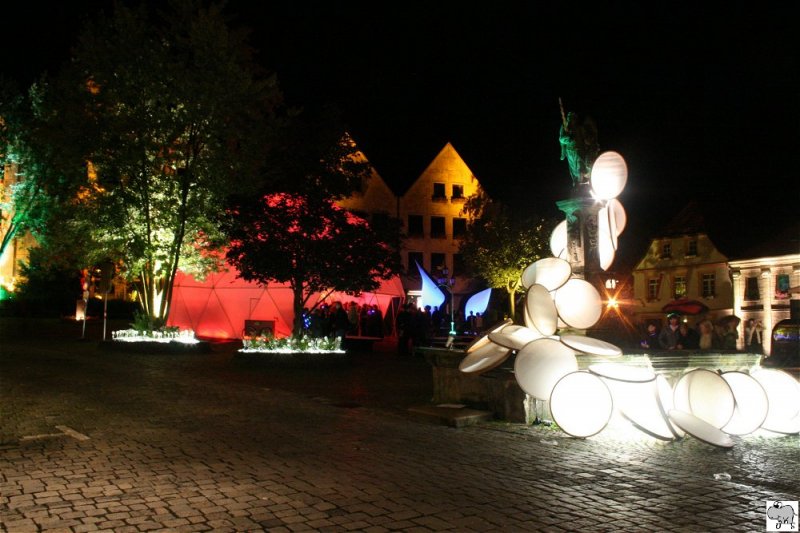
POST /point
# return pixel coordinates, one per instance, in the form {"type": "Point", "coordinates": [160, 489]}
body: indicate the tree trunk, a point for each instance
{"type": "Point", "coordinates": [297, 302]}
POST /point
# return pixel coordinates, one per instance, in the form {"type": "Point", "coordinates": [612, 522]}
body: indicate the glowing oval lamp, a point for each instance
{"type": "Point", "coordinates": [700, 429]}
{"type": "Point", "coordinates": [542, 309]}
{"type": "Point", "coordinates": [540, 364]}
{"type": "Point", "coordinates": [783, 393]}
{"type": "Point", "coordinates": [665, 403]}
{"type": "Point", "coordinates": [550, 272]}
{"type": "Point", "coordinates": [558, 240]}
{"type": "Point", "coordinates": [431, 293]}
{"type": "Point", "coordinates": [706, 395]}
{"type": "Point", "coordinates": [590, 345]}
{"type": "Point", "coordinates": [514, 339]}
{"type": "Point", "coordinates": [609, 175]}
{"type": "Point", "coordinates": [617, 216]}
{"type": "Point", "coordinates": [581, 404]}
{"type": "Point", "coordinates": [638, 403]}
{"type": "Point", "coordinates": [478, 302]}
{"type": "Point", "coordinates": [606, 243]}
{"type": "Point", "coordinates": [484, 358]}
{"type": "Point", "coordinates": [579, 304]}
{"type": "Point", "coordinates": [751, 404]}
{"type": "Point", "coordinates": [620, 372]}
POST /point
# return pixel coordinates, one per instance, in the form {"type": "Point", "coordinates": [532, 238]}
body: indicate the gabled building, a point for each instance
{"type": "Point", "coordinates": [682, 263]}
{"type": "Point", "coordinates": [430, 213]}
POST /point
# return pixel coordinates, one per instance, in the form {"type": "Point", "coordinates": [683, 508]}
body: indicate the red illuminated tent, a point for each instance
{"type": "Point", "coordinates": [219, 306]}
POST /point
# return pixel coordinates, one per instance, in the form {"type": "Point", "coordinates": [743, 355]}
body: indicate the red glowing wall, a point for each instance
{"type": "Point", "coordinates": [217, 307]}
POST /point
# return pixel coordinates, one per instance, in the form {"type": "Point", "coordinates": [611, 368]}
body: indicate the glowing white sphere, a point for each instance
{"type": "Point", "coordinates": [484, 358]}
{"type": "Point", "coordinates": [700, 429]}
{"type": "Point", "coordinates": [783, 393]}
{"type": "Point", "coordinates": [751, 404]}
{"type": "Point", "coordinates": [590, 345]}
{"type": "Point", "coordinates": [579, 304]}
{"type": "Point", "coordinates": [706, 395]}
{"type": "Point", "coordinates": [558, 240]}
{"type": "Point", "coordinates": [542, 309]}
{"type": "Point", "coordinates": [540, 364]}
{"type": "Point", "coordinates": [609, 175]}
{"type": "Point", "coordinates": [581, 404]}
{"type": "Point", "coordinates": [550, 272]}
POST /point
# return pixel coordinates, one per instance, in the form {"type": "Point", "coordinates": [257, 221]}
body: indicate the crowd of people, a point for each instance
{"type": "Point", "coordinates": [723, 335]}
{"type": "Point", "coordinates": [417, 326]}
{"type": "Point", "coordinates": [344, 319]}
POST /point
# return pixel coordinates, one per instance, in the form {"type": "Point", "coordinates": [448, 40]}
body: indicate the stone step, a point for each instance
{"type": "Point", "coordinates": [454, 415]}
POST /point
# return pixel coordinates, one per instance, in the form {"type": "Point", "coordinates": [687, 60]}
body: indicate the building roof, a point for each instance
{"type": "Point", "coordinates": [783, 242]}
{"type": "Point", "coordinates": [688, 221]}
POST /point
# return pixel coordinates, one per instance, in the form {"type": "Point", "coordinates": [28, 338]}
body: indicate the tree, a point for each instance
{"type": "Point", "coordinates": [170, 115]}
{"type": "Point", "coordinates": [499, 244]}
{"type": "Point", "coordinates": [310, 243]}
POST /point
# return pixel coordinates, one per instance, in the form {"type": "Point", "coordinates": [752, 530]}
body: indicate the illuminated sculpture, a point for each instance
{"type": "Point", "coordinates": [561, 303]}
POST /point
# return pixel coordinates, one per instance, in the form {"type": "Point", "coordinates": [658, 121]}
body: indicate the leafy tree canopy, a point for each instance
{"type": "Point", "coordinates": [500, 243]}
{"type": "Point", "coordinates": [311, 243]}
{"type": "Point", "coordinates": [162, 116]}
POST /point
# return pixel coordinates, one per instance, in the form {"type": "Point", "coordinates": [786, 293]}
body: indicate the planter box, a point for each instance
{"type": "Point", "coordinates": [295, 359]}
{"type": "Point", "coordinates": [155, 347]}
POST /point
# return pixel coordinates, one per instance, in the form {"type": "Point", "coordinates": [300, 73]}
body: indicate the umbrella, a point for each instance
{"type": "Point", "coordinates": [685, 307]}
{"type": "Point", "coordinates": [731, 320]}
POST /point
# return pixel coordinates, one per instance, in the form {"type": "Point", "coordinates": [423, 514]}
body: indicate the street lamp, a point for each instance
{"type": "Point", "coordinates": [447, 283]}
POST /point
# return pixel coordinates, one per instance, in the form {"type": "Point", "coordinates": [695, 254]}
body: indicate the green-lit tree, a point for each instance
{"type": "Point", "coordinates": [170, 115]}
{"type": "Point", "coordinates": [311, 243]}
{"type": "Point", "coordinates": [499, 244]}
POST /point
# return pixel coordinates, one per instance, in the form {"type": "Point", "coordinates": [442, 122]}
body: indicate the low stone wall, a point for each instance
{"type": "Point", "coordinates": [155, 347]}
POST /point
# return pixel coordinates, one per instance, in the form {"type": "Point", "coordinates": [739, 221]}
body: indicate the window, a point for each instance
{"type": "Point", "coordinates": [782, 286]}
{"type": "Point", "coordinates": [458, 192]}
{"type": "Point", "coordinates": [751, 291]}
{"type": "Point", "coordinates": [652, 289]}
{"type": "Point", "coordinates": [709, 285]}
{"type": "Point", "coordinates": [415, 225]}
{"type": "Point", "coordinates": [666, 250]}
{"type": "Point", "coordinates": [438, 192]}
{"type": "Point", "coordinates": [691, 248]}
{"type": "Point", "coordinates": [459, 227]}
{"type": "Point", "coordinates": [437, 263]}
{"type": "Point", "coordinates": [437, 228]}
{"type": "Point", "coordinates": [413, 259]}
{"type": "Point", "coordinates": [458, 265]}
{"type": "Point", "coordinates": [679, 286]}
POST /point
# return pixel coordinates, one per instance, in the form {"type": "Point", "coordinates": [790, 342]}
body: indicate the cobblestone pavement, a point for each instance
{"type": "Point", "coordinates": [98, 441]}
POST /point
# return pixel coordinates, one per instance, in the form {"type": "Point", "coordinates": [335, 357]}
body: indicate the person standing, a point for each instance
{"type": "Point", "coordinates": [752, 336]}
{"type": "Point", "coordinates": [668, 337]}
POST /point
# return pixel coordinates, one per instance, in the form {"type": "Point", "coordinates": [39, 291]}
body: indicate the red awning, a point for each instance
{"type": "Point", "coordinates": [685, 307]}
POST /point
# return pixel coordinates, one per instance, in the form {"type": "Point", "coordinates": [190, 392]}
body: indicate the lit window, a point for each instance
{"type": "Point", "coordinates": [751, 291]}
{"type": "Point", "coordinates": [782, 286]}
{"type": "Point", "coordinates": [709, 285]}
{"type": "Point", "coordinates": [652, 289]}
{"type": "Point", "coordinates": [680, 286]}
{"type": "Point", "coordinates": [666, 250]}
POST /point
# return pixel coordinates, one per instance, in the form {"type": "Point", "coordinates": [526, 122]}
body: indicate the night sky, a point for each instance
{"type": "Point", "coordinates": [703, 103]}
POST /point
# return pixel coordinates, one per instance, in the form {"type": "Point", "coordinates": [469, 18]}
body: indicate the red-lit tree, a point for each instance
{"type": "Point", "coordinates": [311, 243]}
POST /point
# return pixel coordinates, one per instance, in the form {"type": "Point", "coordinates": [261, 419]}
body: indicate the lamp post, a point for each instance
{"type": "Point", "coordinates": [447, 283]}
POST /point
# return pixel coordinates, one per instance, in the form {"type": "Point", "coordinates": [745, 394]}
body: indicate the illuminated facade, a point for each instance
{"type": "Point", "coordinates": [16, 251]}
{"type": "Point", "coordinates": [682, 263]}
{"type": "Point", "coordinates": [763, 284]}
